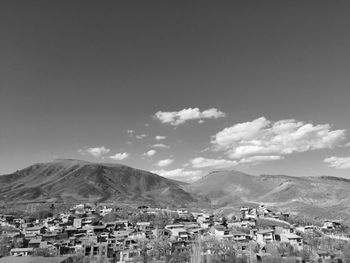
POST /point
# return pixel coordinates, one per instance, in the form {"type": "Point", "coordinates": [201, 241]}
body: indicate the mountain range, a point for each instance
{"type": "Point", "coordinates": [68, 180]}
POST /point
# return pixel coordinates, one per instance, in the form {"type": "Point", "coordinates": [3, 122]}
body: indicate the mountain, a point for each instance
{"type": "Point", "coordinates": [76, 180]}
{"type": "Point", "coordinates": [318, 196]}
{"type": "Point", "coordinates": [70, 180]}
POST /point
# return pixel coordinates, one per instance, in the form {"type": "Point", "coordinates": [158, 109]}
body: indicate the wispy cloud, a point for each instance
{"type": "Point", "coordinates": [141, 136]}
{"type": "Point", "coordinates": [158, 137]}
{"type": "Point", "coordinates": [132, 133]}
{"type": "Point", "coordinates": [160, 145]}
{"type": "Point", "coordinates": [119, 156]}
{"type": "Point", "coordinates": [338, 162]}
{"type": "Point", "coordinates": [95, 151]}
{"type": "Point", "coordinates": [262, 137]}
{"type": "Point", "coordinates": [165, 162]}
{"type": "Point", "coordinates": [180, 174]}
{"type": "Point", "coordinates": [179, 117]}
{"type": "Point", "coordinates": [202, 163]}
{"type": "Point", "coordinates": [150, 153]}
{"type": "Point", "coordinates": [264, 158]}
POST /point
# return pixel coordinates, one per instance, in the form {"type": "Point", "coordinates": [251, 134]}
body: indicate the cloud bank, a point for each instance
{"type": "Point", "coordinates": [338, 162]}
{"type": "Point", "coordinates": [262, 138]}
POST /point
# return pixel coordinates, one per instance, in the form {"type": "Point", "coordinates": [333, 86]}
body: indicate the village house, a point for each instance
{"type": "Point", "coordinates": [265, 236]}
{"type": "Point", "coordinates": [37, 243]}
{"type": "Point", "coordinates": [248, 222]}
{"type": "Point", "coordinates": [143, 226]}
{"type": "Point", "coordinates": [35, 230]}
{"type": "Point", "coordinates": [220, 232]}
{"type": "Point", "coordinates": [104, 211]}
{"type": "Point", "coordinates": [130, 255]}
{"type": "Point", "coordinates": [8, 231]}
{"type": "Point", "coordinates": [331, 225]}
{"type": "Point", "coordinates": [294, 240]}
{"type": "Point", "coordinates": [21, 252]}
{"type": "Point", "coordinates": [239, 236]}
{"type": "Point", "coordinates": [204, 221]}
{"type": "Point", "coordinates": [175, 228]}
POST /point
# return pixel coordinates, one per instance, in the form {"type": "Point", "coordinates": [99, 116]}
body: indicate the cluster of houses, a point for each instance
{"type": "Point", "coordinates": [82, 230]}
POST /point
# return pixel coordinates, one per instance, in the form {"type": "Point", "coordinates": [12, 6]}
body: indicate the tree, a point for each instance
{"type": "Point", "coordinates": [5, 246]}
{"type": "Point", "coordinates": [159, 248]}
{"type": "Point", "coordinates": [346, 252]}
{"type": "Point", "coordinates": [160, 221]}
{"type": "Point", "coordinates": [224, 222]}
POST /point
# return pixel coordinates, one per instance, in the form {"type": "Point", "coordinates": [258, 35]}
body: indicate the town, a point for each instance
{"type": "Point", "coordinates": [102, 233]}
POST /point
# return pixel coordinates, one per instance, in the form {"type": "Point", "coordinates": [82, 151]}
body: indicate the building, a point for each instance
{"type": "Point", "coordinates": [21, 252]}
{"type": "Point", "coordinates": [265, 236]}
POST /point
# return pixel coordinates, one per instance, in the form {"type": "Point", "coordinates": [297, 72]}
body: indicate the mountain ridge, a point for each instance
{"type": "Point", "coordinates": [68, 180]}
{"type": "Point", "coordinates": [73, 179]}
{"type": "Point", "coordinates": [294, 194]}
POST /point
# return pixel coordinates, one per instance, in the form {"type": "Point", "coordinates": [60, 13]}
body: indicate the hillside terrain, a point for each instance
{"type": "Point", "coordinates": [80, 181]}
{"type": "Point", "coordinates": [324, 197]}
{"type": "Point", "coordinates": [75, 180]}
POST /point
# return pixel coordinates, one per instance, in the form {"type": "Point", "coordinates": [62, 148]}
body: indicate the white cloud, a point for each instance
{"type": "Point", "coordinates": [95, 151]}
{"type": "Point", "coordinates": [160, 145]}
{"type": "Point", "coordinates": [150, 153]}
{"type": "Point", "coordinates": [262, 137]}
{"type": "Point", "coordinates": [165, 162]}
{"type": "Point", "coordinates": [119, 156]}
{"type": "Point", "coordinates": [201, 162]}
{"type": "Point", "coordinates": [180, 174]}
{"type": "Point", "coordinates": [338, 162]}
{"type": "Point", "coordinates": [179, 117]}
{"type": "Point", "coordinates": [158, 138]}
{"type": "Point", "coordinates": [141, 136]}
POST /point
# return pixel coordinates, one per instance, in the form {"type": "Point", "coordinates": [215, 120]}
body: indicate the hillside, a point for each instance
{"type": "Point", "coordinates": [75, 180]}
{"type": "Point", "coordinates": [78, 181]}
{"type": "Point", "coordinates": [317, 196]}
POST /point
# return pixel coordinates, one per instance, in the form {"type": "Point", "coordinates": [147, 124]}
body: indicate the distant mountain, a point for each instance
{"type": "Point", "coordinates": [75, 180]}
{"type": "Point", "coordinates": [324, 196]}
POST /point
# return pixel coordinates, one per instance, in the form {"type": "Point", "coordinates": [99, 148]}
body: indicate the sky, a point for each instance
{"type": "Point", "coordinates": [180, 88]}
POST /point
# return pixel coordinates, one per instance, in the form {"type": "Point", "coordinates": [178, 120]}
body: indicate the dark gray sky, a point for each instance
{"type": "Point", "coordinates": [76, 75]}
